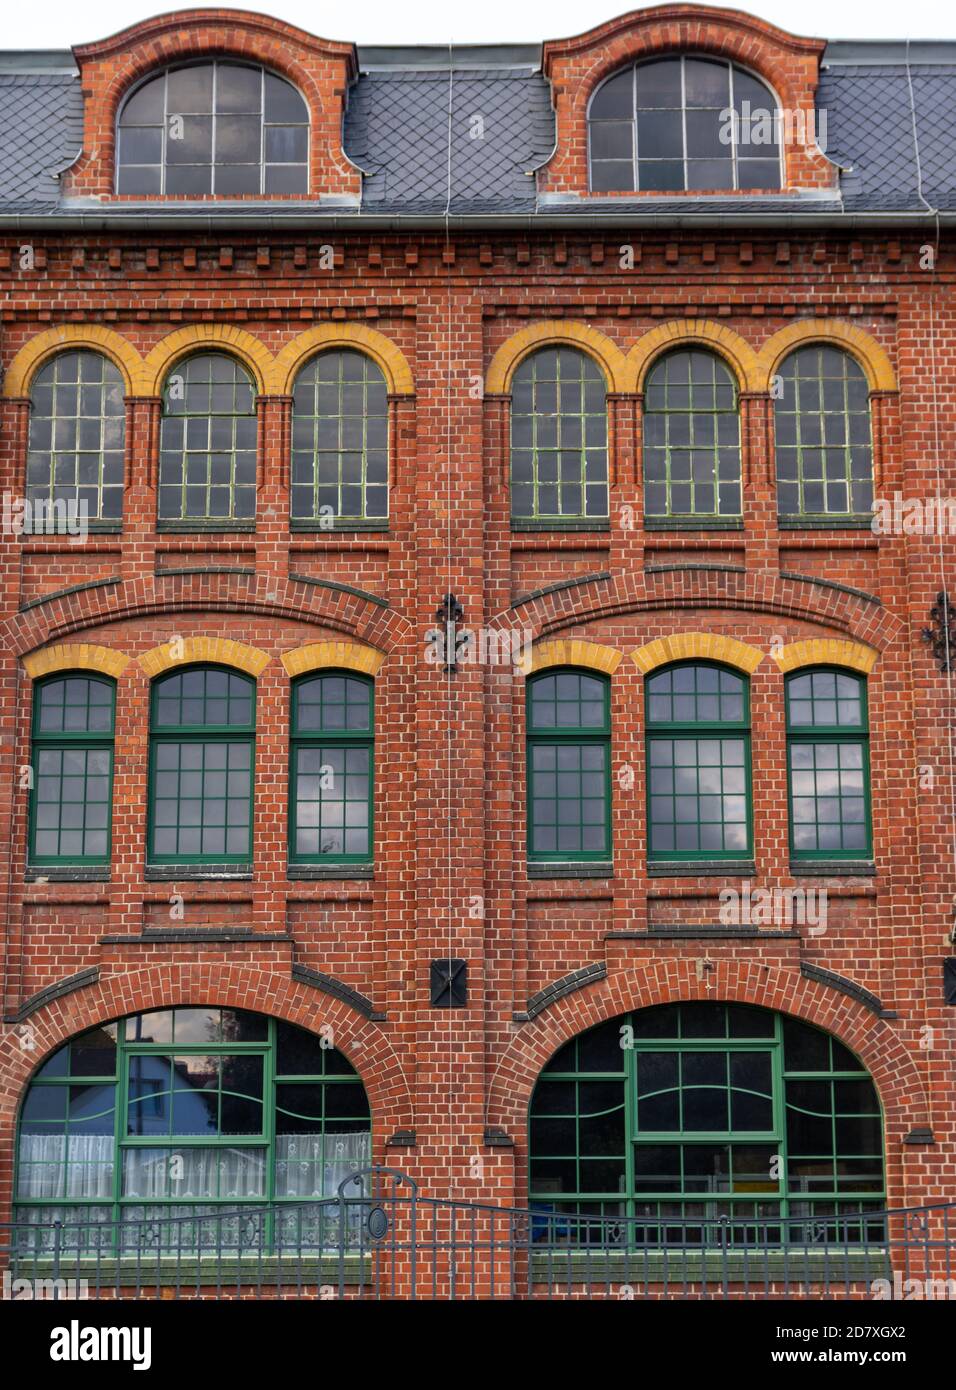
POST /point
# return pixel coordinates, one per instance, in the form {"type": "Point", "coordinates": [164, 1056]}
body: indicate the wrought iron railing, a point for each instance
{"type": "Point", "coordinates": [381, 1238]}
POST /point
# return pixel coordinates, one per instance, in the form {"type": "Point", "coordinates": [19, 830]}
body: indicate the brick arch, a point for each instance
{"type": "Point", "coordinates": [704, 646]}
{"type": "Point", "coordinates": [235, 342]}
{"type": "Point", "coordinates": [805, 599]}
{"type": "Point", "coordinates": [252, 987]}
{"type": "Point", "coordinates": [826, 652]}
{"type": "Point", "coordinates": [69, 337]}
{"type": "Point", "coordinates": [559, 333]}
{"type": "Point", "coordinates": [222, 650]}
{"type": "Point", "coordinates": [592, 655]}
{"type": "Point", "coordinates": [76, 656]}
{"type": "Point", "coordinates": [387, 356]}
{"type": "Point", "coordinates": [55, 619]}
{"type": "Point", "coordinates": [735, 351]}
{"type": "Point", "coordinates": [344, 656]}
{"type": "Point", "coordinates": [861, 346]}
{"type": "Point", "coordinates": [894, 1072]}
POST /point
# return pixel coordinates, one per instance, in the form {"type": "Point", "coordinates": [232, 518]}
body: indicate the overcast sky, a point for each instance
{"type": "Point", "coordinates": [58, 24]}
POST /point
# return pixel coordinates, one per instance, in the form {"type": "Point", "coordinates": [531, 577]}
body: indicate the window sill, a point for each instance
{"type": "Point", "coordinates": [307, 871]}
{"type": "Point", "coordinates": [205, 527]}
{"type": "Point", "coordinates": [701, 868]}
{"type": "Point", "coordinates": [64, 873]}
{"type": "Point", "coordinates": [693, 523]}
{"type": "Point", "coordinates": [593, 868]}
{"type": "Point", "coordinates": [108, 528]}
{"type": "Point", "coordinates": [314, 528]}
{"type": "Point", "coordinates": [196, 873]}
{"type": "Point", "coordinates": [145, 1271]}
{"type": "Point", "coordinates": [820, 523]}
{"type": "Point", "coordinates": [585, 524]}
{"type": "Point", "coordinates": [833, 868]}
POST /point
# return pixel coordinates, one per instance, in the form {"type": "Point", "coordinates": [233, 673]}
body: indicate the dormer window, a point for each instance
{"type": "Point", "coordinates": [683, 123]}
{"type": "Point", "coordinates": [220, 127]}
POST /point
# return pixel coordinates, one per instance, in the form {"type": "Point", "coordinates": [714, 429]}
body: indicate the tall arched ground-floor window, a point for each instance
{"type": "Point", "coordinates": [133, 1130]}
{"type": "Point", "coordinates": [703, 1123]}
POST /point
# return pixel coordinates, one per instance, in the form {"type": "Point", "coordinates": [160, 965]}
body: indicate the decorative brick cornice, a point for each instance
{"type": "Point", "coordinates": [75, 656]}
{"type": "Point", "coordinates": [561, 332]}
{"type": "Point", "coordinates": [826, 651]}
{"type": "Point", "coordinates": [220, 650]}
{"type": "Point", "coordinates": [706, 646]}
{"type": "Point", "coordinates": [345, 656]}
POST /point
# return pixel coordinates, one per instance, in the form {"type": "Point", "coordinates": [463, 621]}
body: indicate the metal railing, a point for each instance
{"type": "Point", "coordinates": [380, 1238]}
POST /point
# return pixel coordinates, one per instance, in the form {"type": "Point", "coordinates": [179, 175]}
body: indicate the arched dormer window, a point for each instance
{"type": "Point", "coordinates": [682, 123]}
{"type": "Point", "coordinates": [217, 127]}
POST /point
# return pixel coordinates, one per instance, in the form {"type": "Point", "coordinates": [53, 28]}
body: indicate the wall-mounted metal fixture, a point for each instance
{"type": "Point", "coordinates": [448, 641]}
{"type": "Point", "coordinates": [449, 984]}
{"type": "Point", "coordinates": [949, 980]}
{"type": "Point", "coordinates": [942, 635]}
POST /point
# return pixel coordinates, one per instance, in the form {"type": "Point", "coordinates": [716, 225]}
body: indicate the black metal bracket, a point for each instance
{"type": "Point", "coordinates": [449, 984]}
{"type": "Point", "coordinates": [942, 635]}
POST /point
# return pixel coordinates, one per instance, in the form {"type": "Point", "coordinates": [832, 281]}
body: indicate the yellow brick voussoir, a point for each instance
{"type": "Point", "coordinates": [253, 354]}
{"type": "Point", "coordinates": [346, 656]}
{"type": "Point", "coordinates": [822, 651]}
{"type": "Point", "coordinates": [221, 650]}
{"type": "Point", "coordinates": [75, 656]}
{"type": "Point", "coordinates": [700, 646]}
{"type": "Point", "coordinates": [591, 655]}
{"type": "Point", "coordinates": [859, 344]}
{"type": "Point", "coordinates": [69, 337]}
{"type": "Point", "coordinates": [387, 356]}
{"type": "Point", "coordinates": [567, 332]}
{"type": "Point", "coordinates": [735, 350]}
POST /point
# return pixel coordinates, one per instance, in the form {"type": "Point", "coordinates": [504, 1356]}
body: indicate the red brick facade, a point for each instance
{"type": "Point", "coordinates": [450, 875]}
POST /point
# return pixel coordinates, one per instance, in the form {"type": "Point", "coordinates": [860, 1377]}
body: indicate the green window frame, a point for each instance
{"type": "Point", "coordinates": [208, 444]}
{"type": "Point", "coordinates": [187, 1111]}
{"type": "Point", "coordinates": [828, 764]}
{"type": "Point", "coordinates": [332, 767]}
{"type": "Point", "coordinates": [699, 803]}
{"type": "Point", "coordinates": [559, 466]}
{"type": "Point", "coordinates": [823, 439]}
{"type": "Point", "coordinates": [569, 765]}
{"type": "Point", "coordinates": [689, 1113]}
{"type": "Point", "coordinates": [71, 801]}
{"type": "Point", "coordinates": [691, 423]}
{"type": "Point", "coordinates": [339, 441]}
{"type": "Point", "coordinates": [201, 767]}
{"type": "Point", "coordinates": [77, 440]}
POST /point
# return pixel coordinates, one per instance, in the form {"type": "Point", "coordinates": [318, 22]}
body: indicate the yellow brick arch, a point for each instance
{"type": "Point", "coordinates": [75, 656]}
{"type": "Point", "coordinates": [69, 337]}
{"type": "Point", "coordinates": [221, 651]}
{"type": "Point", "coordinates": [344, 656]}
{"type": "Point", "coordinates": [835, 333]}
{"type": "Point", "coordinates": [701, 646]}
{"type": "Point", "coordinates": [572, 652]}
{"type": "Point", "coordinates": [389, 358]}
{"type": "Point", "coordinates": [199, 337]}
{"type": "Point", "coordinates": [826, 651]}
{"type": "Point", "coordinates": [559, 333]}
{"type": "Point", "coordinates": [702, 333]}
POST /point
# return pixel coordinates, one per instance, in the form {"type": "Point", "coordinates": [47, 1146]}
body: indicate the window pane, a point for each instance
{"type": "Point", "coordinates": [822, 425]}
{"type": "Point", "coordinates": [77, 436]}
{"type": "Point", "coordinates": [340, 439]}
{"type": "Point", "coordinates": [559, 438]}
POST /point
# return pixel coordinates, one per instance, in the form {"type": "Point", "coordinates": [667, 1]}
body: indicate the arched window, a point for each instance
{"type": "Point", "coordinates": [558, 438]}
{"type": "Point", "coordinates": [202, 751]}
{"type": "Point", "coordinates": [568, 766]}
{"type": "Point", "coordinates": [135, 1131]}
{"type": "Point", "coordinates": [829, 765]}
{"type": "Point", "coordinates": [71, 804]}
{"type": "Point", "coordinates": [680, 1116]}
{"type": "Point", "coordinates": [77, 440]}
{"type": "Point", "coordinates": [207, 459]}
{"type": "Point", "coordinates": [339, 441]}
{"type": "Point", "coordinates": [330, 783]}
{"type": "Point", "coordinates": [220, 127]}
{"type": "Point", "coordinates": [698, 763]}
{"type": "Point", "coordinates": [822, 436]}
{"type": "Point", "coordinates": [691, 439]}
{"type": "Point", "coordinates": [681, 123]}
